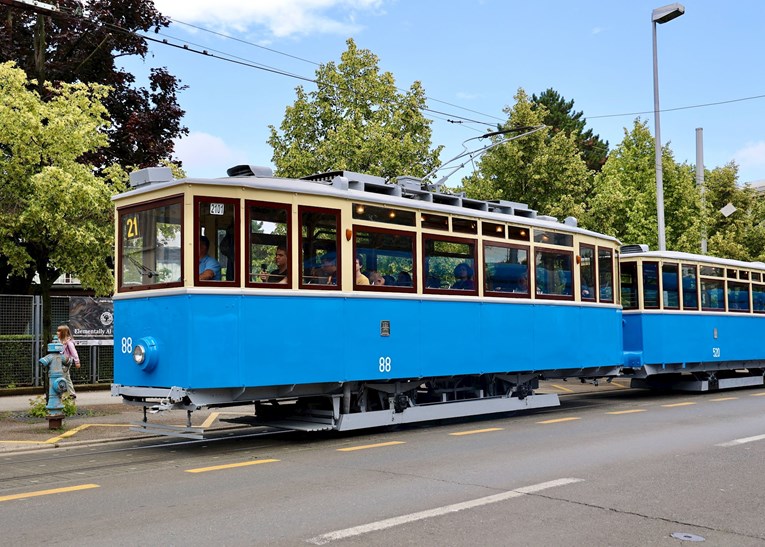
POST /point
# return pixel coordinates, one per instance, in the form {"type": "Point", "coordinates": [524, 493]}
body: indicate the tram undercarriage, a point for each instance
{"type": "Point", "coordinates": [350, 405]}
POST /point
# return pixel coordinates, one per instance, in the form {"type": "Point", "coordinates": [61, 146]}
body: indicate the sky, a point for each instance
{"type": "Point", "coordinates": [471, 57]}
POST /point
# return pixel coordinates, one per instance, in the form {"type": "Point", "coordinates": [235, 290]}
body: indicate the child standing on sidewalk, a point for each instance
{"type": "Point", "coordinates": [65, 337]}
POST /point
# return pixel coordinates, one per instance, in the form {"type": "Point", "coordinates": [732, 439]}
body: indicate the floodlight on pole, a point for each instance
{"type": "Point", "coordinates": [660, 15]}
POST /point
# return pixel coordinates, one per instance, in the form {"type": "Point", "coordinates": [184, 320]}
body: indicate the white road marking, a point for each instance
{"type": "Point", "coordinates": [439, 511]}
{"type": "Point", "coordinates": [745, 440]}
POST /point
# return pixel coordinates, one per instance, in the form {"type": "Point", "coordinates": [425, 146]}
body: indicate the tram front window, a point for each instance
{"type": "Point", "coordinates": [217, 222]}
{"type": "Point", "coordinates": [150, 249]}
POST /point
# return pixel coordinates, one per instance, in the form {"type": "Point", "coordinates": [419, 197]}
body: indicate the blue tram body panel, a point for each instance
{"type": "Point", "coordinates": [223, 341]}
{"type": "Point", "coordinates": [670, 338]}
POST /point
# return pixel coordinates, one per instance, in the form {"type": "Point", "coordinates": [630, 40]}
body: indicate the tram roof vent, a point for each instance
{"type": "Point", "coordinates": [511, 208]}
{"type": "Point", "coordinates": [352, 177]}
{"type": "Point", "coordinates": [249, 171]}
{"type": "Point", "coordinates": [150, 175]}
{"type": "Point", "coordinates": [571, 221]}
{"type": "Point", "coordinates": [633, 249]}
{"type": "Point", "coordinates": [547, 218]}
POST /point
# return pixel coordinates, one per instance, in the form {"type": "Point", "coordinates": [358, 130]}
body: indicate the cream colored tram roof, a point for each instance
{"type": "Point", "coordinates": [690, 257]}
{"type": "Point", "coordinates": [321, 189]}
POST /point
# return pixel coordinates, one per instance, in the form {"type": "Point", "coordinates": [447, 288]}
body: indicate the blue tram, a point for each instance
{"type": "Point", "coordinates": [343, 301]}
{"type": "Point", "coordinates": [692, 322]}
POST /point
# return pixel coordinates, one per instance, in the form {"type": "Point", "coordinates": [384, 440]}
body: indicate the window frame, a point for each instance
{"type": "Point", "coordinates": [561, 250]}
{"type": "Point", "coordinates": [450, 239]}
{"type": "Point", "coordinates": [236, 202]}
{"type": "Point", "coordinates": [696, 278]}
{"type": "Point", "coordinates": [248, 205]}
{"type": "Point", "coordinates": [643, 264]}
{"type": "Point", "coordinates": [176, 199]}
{"type": "Point", "coordinates": [613, 259]}
{"type": "Point", "coordinates": [386, 288]}
{"type": "Point", "coordinates": [678, 271]}
{"type": "Point", "coordinates": [338, 248]}
{"type": "Point", "coordinates": [596, 283]}
{"type": "Point", "coordinates": [507, 294]}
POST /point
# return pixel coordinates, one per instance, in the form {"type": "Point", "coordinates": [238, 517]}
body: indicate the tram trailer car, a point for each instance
{"type": "Point", "coordinates": [480, 299]}
{"type": "Point", "coordinates": [692, 322]}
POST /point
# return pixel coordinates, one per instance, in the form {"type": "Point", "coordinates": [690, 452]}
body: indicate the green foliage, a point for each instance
{"type": "Point", "coordinates": [37, 407]}
{"type": "Point", "coordinates": [16, 354]}
{"type": "Point", "coordinates": [559, 115]}
{"type": "Point", "coordinates": [355, 120]}
{"type": "Point", "coordinates": [544, 170]}
{"type": "Point", "coordinates": [56, 214]}
{"type": "Point", "coordinates": [624, 201]}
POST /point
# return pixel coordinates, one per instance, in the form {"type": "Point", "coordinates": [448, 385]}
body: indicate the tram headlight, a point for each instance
{"type": "Point", "coordinates": [146, 353]}
{"type": "Point", "coordinates": [139, 355]}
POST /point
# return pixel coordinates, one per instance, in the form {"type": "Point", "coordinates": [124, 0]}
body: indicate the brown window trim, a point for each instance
{"type": "Point", "coordinates": [145, 206]}
{"type": "Point", "coordinates": [338, 249]}
{"type": "Point", "coordinates": [558, 250]}
{"type": "Point", "coordinates": [386, 288]}
{"type": "Point", "coordinates": [658, 284]}
{"type": "Point", "coordinates": [476, 271]}
{"type": "Point", "coordinates": [614, 274]}
{"type": "Point", "coordinates": [237, 263]}
{"type": "Point", "coordinates": [505, 294]}
{"type": "Point", "coordinates": [248, 205]}
{"type": "Point", "coordinates": [678, 275]}
{"type": "Point", "coordinates": [595, 287]}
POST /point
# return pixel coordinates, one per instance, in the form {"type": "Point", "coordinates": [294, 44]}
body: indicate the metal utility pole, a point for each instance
{"type": "Point", "coordinates": [700, 185]}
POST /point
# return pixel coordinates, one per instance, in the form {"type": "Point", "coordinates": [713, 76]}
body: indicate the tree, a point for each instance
{"type": "Point", "coordinates": [80, 44]}
{"type": "Point", "coordinates": [624, 201]}
{"type": "Point", "coordinates": [740, 235]}
{"type": "Point", "coordinates": [355, 120]}
{"type": "Point", "coordinates": [545, 171]}
{"type": "Point", "coordinates": [559, 114]}
{"type": "Point", "coordinates": [56, 214]}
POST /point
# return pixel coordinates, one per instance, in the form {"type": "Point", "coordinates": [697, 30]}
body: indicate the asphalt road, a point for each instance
{"type": "Point", "coordinates": [622, 467]}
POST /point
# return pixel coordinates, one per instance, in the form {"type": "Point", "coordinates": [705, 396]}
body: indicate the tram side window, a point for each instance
{"type": "Point", "coordinates": [758, 298]}
{"type": "Point", "coordinates": [506, 270]}
{"type": "Point", "coordinates": [268, 246]}
{"type": "Point", "coordinates": [386, 259]}
{"type": "Point", "coordinates": [690, 293]}
{"type": "Point", "coordinates": [650, 285]}
{"type": "Point", "coordinates": [587, 271]}
{"type": "Point", "coordinates": [217, 237]}
{"type": "Point", "coordinates": [606, 274]}
{"type": "Point", "coordinates": [320, 258]}
{"type": "Point", "coordinates": [150, 248]}
{"type": "Point", "coordinates": [629, 277]}
{"type": "Point", "coordinates": [553, 276]}
{"type": "Point", "coordinates": [738, 296]}
{"type": "Point", "coordinates": [450, 266]}
{"type": "Point", "coordinates": [712, 294]}
{"type": "Point", "coordinates": [669, 285]}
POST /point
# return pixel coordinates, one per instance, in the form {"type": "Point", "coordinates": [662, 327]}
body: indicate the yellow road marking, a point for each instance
{"type": "Point", "coordinates": [472, 432]}
{"type": "Point", "coordinates": [724, 399]}
{"type": "Point", "coordinates": [688, 403]}
{"type": "Point", "coordinates": [558, 420]}
{"type": "Point", "coordinates": [762, 393]}
{"type": "Point", "coordinates": [79, 428]}
{"type": "Point", "coordinates": [364, 447]}
{"type": "Point", "coordinates": [228, 466]}
{"type": "Point", "coordinates": [210, 419]}
{"type": "Point", "coordinates": [48, 492]}
{"type": "Point", "coordinates": [617, 384]}
{"type": "Point", "coordinates": [556, 386]}
{"type": "Point", "coordinates": [627, 411]}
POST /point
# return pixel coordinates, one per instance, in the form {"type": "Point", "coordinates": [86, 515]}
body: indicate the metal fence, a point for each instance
{"type": "Point", "coordinates": [21, 338]}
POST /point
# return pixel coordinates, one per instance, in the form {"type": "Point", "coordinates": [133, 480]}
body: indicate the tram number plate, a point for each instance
{"type": "Point", "coordinates": [216, 209]}
{"type": "Point", "coordinates": [716, 352]}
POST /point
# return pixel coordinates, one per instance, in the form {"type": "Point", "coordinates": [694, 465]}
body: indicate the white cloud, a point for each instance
{"type": "Point", "coordinates": [281, 17]}
{"type": "Point", "coordinates": [597, 30]}
{"type": "Point", "coordinates": [752, 155]}
{"type": "Point", "coordinates": [205, 155]}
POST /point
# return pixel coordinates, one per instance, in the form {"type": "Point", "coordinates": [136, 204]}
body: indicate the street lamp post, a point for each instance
{"type": "Point", "coordinates": [660, 15]}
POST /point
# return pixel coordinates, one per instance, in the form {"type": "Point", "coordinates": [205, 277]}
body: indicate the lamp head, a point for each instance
{"type": "Point", "coordinates": [667, 13]}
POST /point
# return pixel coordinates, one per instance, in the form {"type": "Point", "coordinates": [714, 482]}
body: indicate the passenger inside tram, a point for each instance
{"type": "Point", "coordinates": [281, 273]}
{"type": "Point", "coordinates": [463, 274]}
{"type": "Point", "coordinates": [376, 278]}
{"type": "Point", "coordinates": [209, 268]}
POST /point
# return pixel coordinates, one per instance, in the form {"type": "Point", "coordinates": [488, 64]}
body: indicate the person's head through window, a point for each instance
{"type": "Point", "coordinates": [329, 267]}
{"type": "Point", "coordinates": [376, 278]}
{"type": "Point", "coordinates": [280, 274]}
{"type": "Point", "coordinates": [209, 268]}
{"type": "Point", "coordinates": [361, 279]}
{"type": "Point", "coordinates": [463, 277]}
